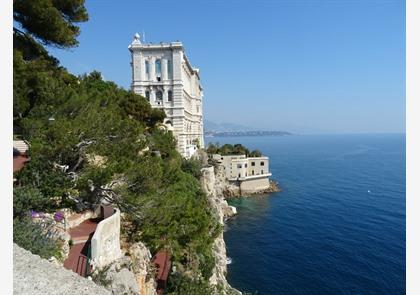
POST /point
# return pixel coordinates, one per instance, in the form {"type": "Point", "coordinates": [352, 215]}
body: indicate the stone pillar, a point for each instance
{"type": "Point", "coordinates": [177, 58]}
{"type": "Point", "coordinates": [142, 68]}
{"type": "Point", "coordinates": [152, 96]}
{"type": "Point", "coordinates": [164, 95]}
{"type": "Point", "coordinates": [164, 69]}
{"type": "Point", "coordinates": [136, 65]}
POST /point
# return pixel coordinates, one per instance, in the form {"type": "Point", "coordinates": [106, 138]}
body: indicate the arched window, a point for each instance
{"type": "Point", "coordinates": [170, 95]}
{"type": "Point", "coordinates": [159, 95]}
{"type": "Point", "coordinates": [158, 68]}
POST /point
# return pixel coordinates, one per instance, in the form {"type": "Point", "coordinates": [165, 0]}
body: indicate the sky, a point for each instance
{"type": "Point", "coordinates": [307, 66]}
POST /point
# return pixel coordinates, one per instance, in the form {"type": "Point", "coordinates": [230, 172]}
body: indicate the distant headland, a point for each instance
{"type": "Point", "coordinates": [212, 129]}
{"type": "Point", "coordinates": [245, 133]}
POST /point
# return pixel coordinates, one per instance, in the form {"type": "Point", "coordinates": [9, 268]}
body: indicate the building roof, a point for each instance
{"type": "Point", "coordinates": [21, 145]}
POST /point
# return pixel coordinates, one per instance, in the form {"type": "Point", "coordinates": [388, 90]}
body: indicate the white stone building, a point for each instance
{"type": "Point", "coordinates": [163, 74]}
{"type": "Point", "coordinates": [250, 174]}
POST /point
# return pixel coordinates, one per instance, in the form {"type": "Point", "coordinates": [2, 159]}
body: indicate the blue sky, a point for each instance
{"type": "Point", "coordinates": [303, 66]}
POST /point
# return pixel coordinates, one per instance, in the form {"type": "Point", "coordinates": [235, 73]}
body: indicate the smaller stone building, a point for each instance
{"type": "Point", "coordinates": [251, 174]}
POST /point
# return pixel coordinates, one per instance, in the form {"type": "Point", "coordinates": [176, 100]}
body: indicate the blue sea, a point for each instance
{"type": "Point", "coordinates": [337, 226]}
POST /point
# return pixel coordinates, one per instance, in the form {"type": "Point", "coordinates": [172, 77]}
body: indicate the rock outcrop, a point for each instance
{"type": "Point", "coordinates": [130, 274]}
{"type": "Point", "coordinates": [119, 279]}
{"type": "Point", "coordinates": [213, 184]}
{"type": "Point", "coordinates": [140, 259]}
{"type": "Point", "coordinates": [36, 276]}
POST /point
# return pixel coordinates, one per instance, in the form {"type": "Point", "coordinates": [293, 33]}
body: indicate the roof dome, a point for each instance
{"type": "Point", "coordinates": [136, 39]}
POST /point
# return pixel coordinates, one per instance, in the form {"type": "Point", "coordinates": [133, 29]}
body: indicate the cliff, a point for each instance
{"type": "Point", "coordinates": [213, 184]}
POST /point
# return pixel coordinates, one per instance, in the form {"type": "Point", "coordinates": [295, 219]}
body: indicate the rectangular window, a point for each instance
{"type": "Point", "coordinates": [148, 95]}
{"type": "Point", "coordinates": [252, 163]}
{"type": "Point", "coordinates": [158, 69]}
{"type": "Point", "coordinates": [169, 69]}
{"type": "Point", "coordinates": [262, 171]}
{"type": "Point", "coordinates": [147, 69]}
{"type": "Point", "coordinates": [170, 95]}
{"type": "Point", "coordinates": [262, 163]}
{"type": "Point", "coordinates": [246, 165]}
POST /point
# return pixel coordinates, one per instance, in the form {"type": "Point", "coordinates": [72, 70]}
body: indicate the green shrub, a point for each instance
{"type": "Point", "coordinates": [27, 198]}
{"type": "Point", "coordinates": [31, 236]}
{"type": "Point", "coordinates": [191, 166]}
{"type": "Point", "coordinates": [255, 153]}
{"type": "Point", "coordinates": [100, 277]}
{"type": "Point", "coordinates": [181, 284]}
{"type": "Point", "coordinates": [229, 149]}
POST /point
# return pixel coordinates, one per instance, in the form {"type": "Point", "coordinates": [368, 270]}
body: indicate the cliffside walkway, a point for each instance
{"type": "Point", "coordinates": [81, 236]}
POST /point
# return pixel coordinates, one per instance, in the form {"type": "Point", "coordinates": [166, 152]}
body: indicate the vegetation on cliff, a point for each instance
{"type": "Point", "coordinates": [91, 140]}
{"type": "Point", "coordinates": [229, 149]}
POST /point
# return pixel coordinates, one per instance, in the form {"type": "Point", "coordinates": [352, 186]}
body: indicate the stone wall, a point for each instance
{"type": "Point", "coordinates": [255, 185]}
{"type": "Point", "coordinates": [106, 241]}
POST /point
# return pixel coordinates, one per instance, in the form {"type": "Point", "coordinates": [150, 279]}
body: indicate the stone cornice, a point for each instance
{"type": "Point", "coordinates": [144, 47]}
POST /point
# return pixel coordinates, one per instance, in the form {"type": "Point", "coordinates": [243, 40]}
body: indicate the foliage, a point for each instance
{"type": "Point", "coordinates": [51, 21]}
{"type": "Point", "coordinates": [181, 284]}
{"type": "Point", "coordinates": [40, 186]}
{"type": "Point", "coordinates": [30, 236]}
{"type": "Point", "coordinates": [255, 153]}
{"type": "Point", "coordinates": [196, 142]}
{"type": "Point", "coordinates": [27, 198]}
{"type": "Point", "coordinates": [192, 166]}
{"type": "Point", "coordinates": [229, 149]}
{"type": "Point", "coordinates": [100, 276]}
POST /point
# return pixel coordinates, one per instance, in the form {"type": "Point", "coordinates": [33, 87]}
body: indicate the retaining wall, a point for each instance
{"type": "Point", "coordinates": [105, 242]}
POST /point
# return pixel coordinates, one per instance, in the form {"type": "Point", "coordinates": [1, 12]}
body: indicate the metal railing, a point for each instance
{"type": "Point", "coordinates": [88, 260]}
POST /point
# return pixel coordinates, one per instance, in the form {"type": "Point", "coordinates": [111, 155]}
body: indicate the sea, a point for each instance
{"type": "Point", "coordinates": [336, 227]}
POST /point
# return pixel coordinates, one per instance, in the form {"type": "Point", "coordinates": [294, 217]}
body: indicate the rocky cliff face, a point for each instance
{"type": "Point", "coordinates": [130, 274]}
{"type": "Point", "coordinates": [140, 257]}
{"type": "Point", "coordinates": [213, 184]}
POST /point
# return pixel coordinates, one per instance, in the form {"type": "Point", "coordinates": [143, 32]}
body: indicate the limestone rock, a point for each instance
{"type": "Point", "coordinates": [36, 276]}
{"type": "Point", "coordinates": [140, 257]}
{"type": "Point", "coordinates": [122, 280]}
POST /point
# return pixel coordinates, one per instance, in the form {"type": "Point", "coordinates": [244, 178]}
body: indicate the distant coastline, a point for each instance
{"type": "Point", "coordinates": [245, 133]}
